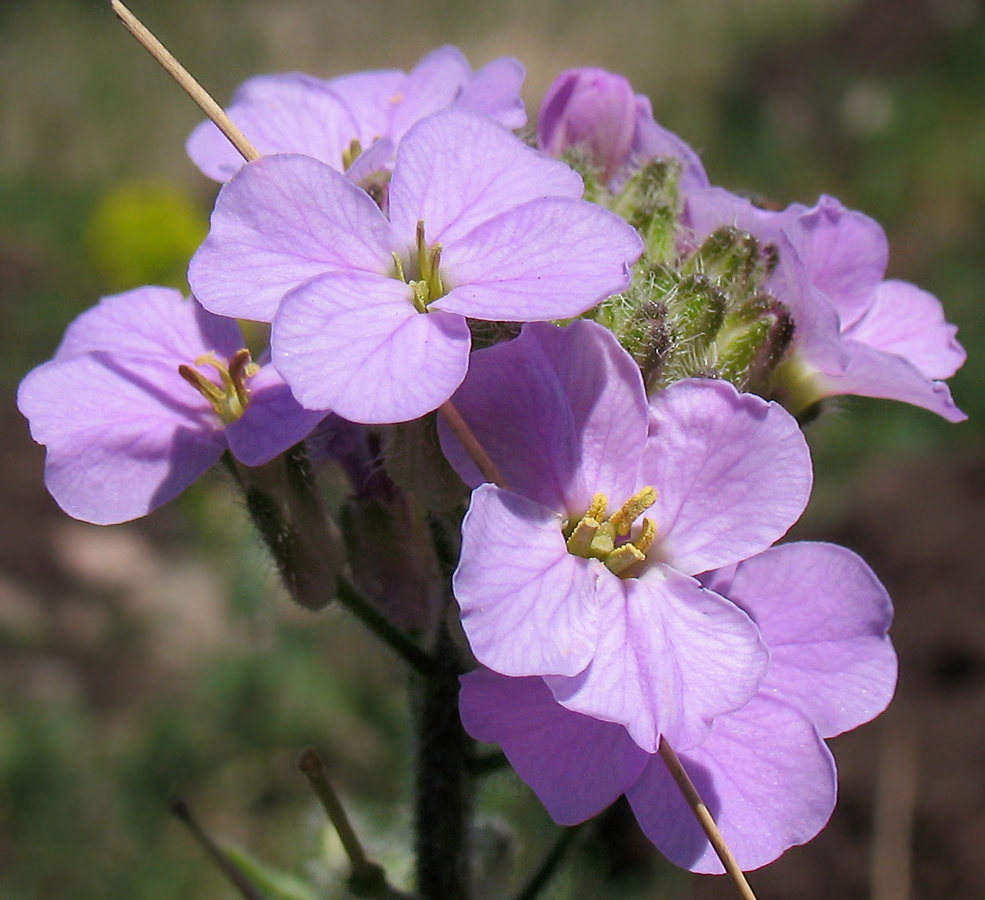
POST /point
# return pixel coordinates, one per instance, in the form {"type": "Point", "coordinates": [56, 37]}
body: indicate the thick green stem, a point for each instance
{"type": "Point", "coordinates": [444, 794]}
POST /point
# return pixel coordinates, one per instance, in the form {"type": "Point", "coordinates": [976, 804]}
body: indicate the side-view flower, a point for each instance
{"type": "Point", "coordinates": [145, 392]}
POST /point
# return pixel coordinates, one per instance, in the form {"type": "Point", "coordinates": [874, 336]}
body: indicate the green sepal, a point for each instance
{"type": "Point", "coordinates": [650, 202]}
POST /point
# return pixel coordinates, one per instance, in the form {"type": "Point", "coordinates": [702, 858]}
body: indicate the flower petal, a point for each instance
{"type": "Point", "coordinates": [273, 422]}
{"type": "Point", "coordinates": [494, 91]}
{"type": "Point", "coordinates": [873, 373]}
{"type": "Point", "coordinates": [353, 342]}
{"type": "Point", "coordinates": [457, 169]}
{"type": "Point", "coordinates": [671, 657]}
{"type": "Point", "coordinates": [280, 221]}
{"type": "Point", "coordinates": [824, 616]}
{"type": "Point", "coordinates": [289, 113]}
{"type": "Point", "coordinates": [432, 85]}
{"type": "Point", "coordinates": [124, 434]}
{"type": "Point", "coordinates": [528, 606]}
{"type": "Point", "coordinates": [845, 253]}
{"type": "Point", "coordinates": [907, 321]}
{"type": "Point", "coordinates": [732, 474]}
{"type": "Point", "coordinates": [576, 765]}
{"type": "Point", "coordinates": [561, 411]}
{"type": "Point", "coordinates": [766, 777]}
{"type": "Point", "coordinates": [551, 258]}
{"type": "Point", "coordinates": [151, 322]}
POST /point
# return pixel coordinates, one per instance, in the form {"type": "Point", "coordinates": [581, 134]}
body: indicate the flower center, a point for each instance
{"type": "Point", "coordinates": [594, 536]}
{"type": "Point", "coordinates": [427, 286]}
{"type": "Point", "coordinates": [231, 399]}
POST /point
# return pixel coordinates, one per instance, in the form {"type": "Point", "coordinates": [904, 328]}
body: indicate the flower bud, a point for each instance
{"type": "Point", "coordinates": [593, 111]}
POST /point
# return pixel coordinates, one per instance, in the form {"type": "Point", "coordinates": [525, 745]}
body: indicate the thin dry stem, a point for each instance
{"type": "Point", "coordinates": [896, 795]}
{"type": "Point", "coordinates": [191, 87]}
{"type": "Point", "coordinates": [489, 469]}
{"type": "Point", "coordinates": [705, 820]}
{"type": "Point", "coordinates": [312, 766]}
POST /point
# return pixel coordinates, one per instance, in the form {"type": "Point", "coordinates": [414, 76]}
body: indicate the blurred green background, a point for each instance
{"type": "Point", "coordinates": [146, 660]}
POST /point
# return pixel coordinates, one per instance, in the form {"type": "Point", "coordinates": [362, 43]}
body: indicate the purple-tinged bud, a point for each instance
{"type": "Point", "coordinates": [593, 111]}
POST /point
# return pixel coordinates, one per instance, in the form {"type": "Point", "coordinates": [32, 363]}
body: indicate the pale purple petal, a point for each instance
{"type": "Point", "coordinates": [528, 606]}
{"type": "Point", "coordinates": [671, 657]}
{"type": "Point", "coordinates": [151, 322]}
{"type": "Point", "coordinates": [732, 474]}
{"type": "Point", "coordinates": [845, 253]}
{"type": "Point", "coordinates": [908, 321]}
{"type": "Point", "coordinates": [273, 422]}
{"type": "Point", "coordinates": [824, 616]}
{"type": "Point", "coordinates": [576, 765]}
{"type": "Point", "coordinates": [432, 85]}
{"type": "Point", "coordinates": [765, 775]}
{"type": "Point", "coordinates": [592, 110]}
{"type": "Point", "coordinates": [353, 342]}
{"type": "Point", "coordinates": [289, 113]}
{"type": "Point", "coordinates": [280, 221]}
{"type": "Point", "coordinates": [371, 97]}
{"type": "Point", "coordinates": [653, 141]}
{"type": "Point", "coordinates": [457, 169]}
{"type": "Point", "coordinates": [562, 412]}
{"type": "Point", "coordinates": [494, 91]}
{"type": "Point", "coordinates": [124, 434]}
{"type": "Point", "coordinates": [872, 373]}
{"type": "Point", "coordinates": [574, 254]}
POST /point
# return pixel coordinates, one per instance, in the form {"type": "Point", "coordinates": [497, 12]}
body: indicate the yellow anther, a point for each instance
{"type": "Point", "coordinates": [646, 536]}
{"type": "Point", "coordinates": [623, 557]}
{"type": "Point", "coordinates": [351, 153]}
{"type": "Point", "coordinates": [581, 538]}
{"type": "Point", "coordinates": [597, 509]}
{"type": "Point", "coordinates": [630, 511]}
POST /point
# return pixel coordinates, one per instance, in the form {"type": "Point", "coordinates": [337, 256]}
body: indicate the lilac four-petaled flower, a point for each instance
{"type": "Point", "coordinates": [564, 414]}
{"type": "Point", "coordinates": [369, 310]}
{"type": "Point", "coordinates": [297, 113]}
{"type": "Point", "coordinates": [763, 770]}
{"type": "Point", "coordinates": [125, 431]}
{"type": "Point", "coordinates": [854, 331]}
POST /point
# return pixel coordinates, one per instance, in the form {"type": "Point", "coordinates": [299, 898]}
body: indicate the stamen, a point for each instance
{"type": "Point", "coordinates": [632, 509]}
{"type": "Point", "coordinates": [623, 557]}
{"type": "Point", "coordinates": [421, 295]}
{"type": "Point", "coordinates": [351, 153]}
{"type": "Point", "coordinates": [580, 542]}
{"type": "Point", "coordinates": [648, 534]}
{"type": "Point", "coordinates": [597, 509]}
{"type": "Point", "coordinates": [400, 268]}
{"type": "Point", "coordinates": [231, 399]}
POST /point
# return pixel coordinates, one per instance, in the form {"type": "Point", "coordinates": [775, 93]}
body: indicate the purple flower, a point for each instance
{"type": "Point", "coordinates": [373, 324]}
{"type": "Point", "coordinates": [296, 113]}
{"type": "Point", "coordinates": [596, 112]}
{"type": "Point", "coordinates": [556, 577]}
{"type": "Point", "coordinates": [146, 392]}
{"type": "Point", "coordinates": [763, 770]}
{"type": "Point", "coordinates": [854, 332]}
